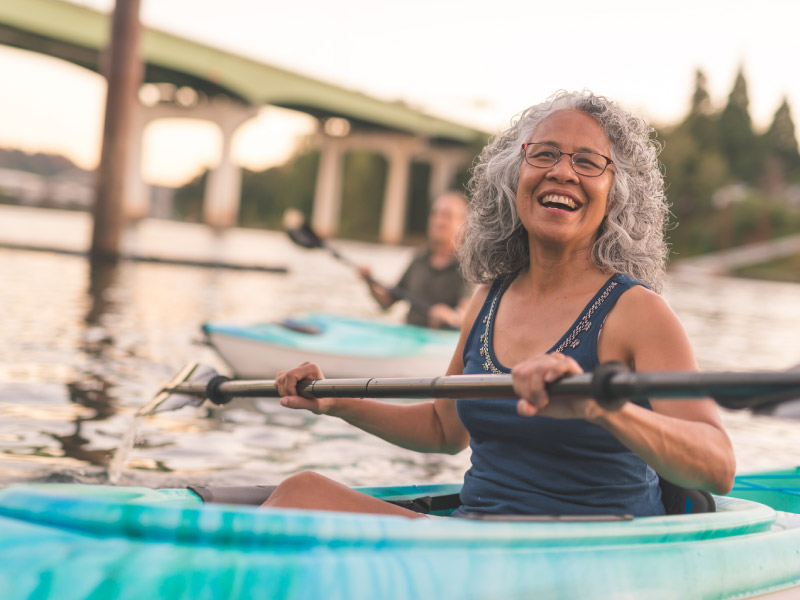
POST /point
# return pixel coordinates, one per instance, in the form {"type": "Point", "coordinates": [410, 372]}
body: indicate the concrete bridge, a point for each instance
{"type": "Point", "coordinates": [186, 79]}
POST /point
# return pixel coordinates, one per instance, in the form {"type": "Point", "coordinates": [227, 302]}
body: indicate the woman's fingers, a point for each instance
{"type": "Point", "coordinates": [531, 377]}
{"type": "Point", "coordinates": [311, 404]}
{"type": "Point", "coordinates": [286, 381]}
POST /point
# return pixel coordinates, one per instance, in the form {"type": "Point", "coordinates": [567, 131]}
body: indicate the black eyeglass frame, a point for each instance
{"type": "Point", "coordinates": [561, 154]}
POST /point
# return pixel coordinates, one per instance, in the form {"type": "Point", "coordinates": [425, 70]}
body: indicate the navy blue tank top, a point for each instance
{"type": "Point", "coordinates": [540, 465]}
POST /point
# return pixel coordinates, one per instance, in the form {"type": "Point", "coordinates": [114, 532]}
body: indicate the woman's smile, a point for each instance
{"type": "Point", "coordinates": [560, 201]}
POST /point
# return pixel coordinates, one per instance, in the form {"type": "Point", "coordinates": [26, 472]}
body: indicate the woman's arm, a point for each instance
{"type": "Point", "coordinates": [682, 439]}
{"type": "Point", "coordinates": [431, 426]}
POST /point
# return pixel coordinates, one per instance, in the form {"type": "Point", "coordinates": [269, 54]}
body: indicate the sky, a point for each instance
{"type": "Point", "coordinates": [475, 62]}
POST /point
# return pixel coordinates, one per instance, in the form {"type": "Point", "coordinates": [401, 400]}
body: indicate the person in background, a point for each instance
{"type": "Point", "coordinates": [433, 276]}
{"type": "Point", "coordinates": [566, 238]}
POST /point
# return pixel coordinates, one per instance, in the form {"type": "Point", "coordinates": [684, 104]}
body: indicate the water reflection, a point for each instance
{"type": "Point", "coordinates": [102, 276]}
{"type": "Point", "coordinates": [76, 445]}
{"type": "Point", "coordinates": [87, 345]}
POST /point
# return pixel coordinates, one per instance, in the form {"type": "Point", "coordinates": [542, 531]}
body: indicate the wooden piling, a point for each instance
{"type": "Point", "coordinates": [123, 71]}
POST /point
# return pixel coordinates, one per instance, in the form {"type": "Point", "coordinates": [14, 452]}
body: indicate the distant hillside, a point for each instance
{"type": "Point", "coordinates": [39, 163]}
{"type": "Point", "coordinates": [54, 181]}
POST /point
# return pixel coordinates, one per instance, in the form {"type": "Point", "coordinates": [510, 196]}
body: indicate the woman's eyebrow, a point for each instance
{"type": "Point", "coordinates": [557, 145]}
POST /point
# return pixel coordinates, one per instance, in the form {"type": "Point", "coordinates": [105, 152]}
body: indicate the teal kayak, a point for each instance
{"type": "Point", "coordinates": [72, 541]}
{"type": "Point", "coordinates": [342, 346]}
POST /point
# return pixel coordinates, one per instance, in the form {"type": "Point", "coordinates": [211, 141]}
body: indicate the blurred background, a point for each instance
{"type": "Point", "coordinates": [357, 114]}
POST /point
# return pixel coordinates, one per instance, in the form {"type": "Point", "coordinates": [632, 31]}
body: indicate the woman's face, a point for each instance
{"type": "Point", "coordinates": [555, 204]}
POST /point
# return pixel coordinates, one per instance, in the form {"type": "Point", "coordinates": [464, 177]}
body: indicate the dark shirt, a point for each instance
{"type": "Point", "coordinates": [539, 465]}
{"type": "Point", "coordinates": [432, 285]}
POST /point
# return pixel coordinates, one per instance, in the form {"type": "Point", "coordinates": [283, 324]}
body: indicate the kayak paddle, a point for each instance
{"type": "Point", "coordinates": [301, 233]}
{"type": "Point", "coordinates": [611, 384]}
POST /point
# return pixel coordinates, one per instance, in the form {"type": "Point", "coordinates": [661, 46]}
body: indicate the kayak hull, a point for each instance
{"type": "Point", "coordinates": [78, 542]}
{"type": "Point", "coordinates": [342, 346]}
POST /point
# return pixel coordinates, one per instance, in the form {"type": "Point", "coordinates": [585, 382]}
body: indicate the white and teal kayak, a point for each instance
{"type": "Point", "coordinates": [71, 542]}
{"type": "Point", "coordinates": [342, 346]}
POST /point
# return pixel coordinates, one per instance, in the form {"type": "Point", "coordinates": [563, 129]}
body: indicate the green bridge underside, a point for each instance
{"type": "Point", "coordinates": [79, 35]}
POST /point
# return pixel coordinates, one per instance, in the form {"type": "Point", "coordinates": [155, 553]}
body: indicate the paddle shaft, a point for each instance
{"type": "Point", "coordinates": [307, 238]}
{"type": "Point", "coordinates": [609, 384]}
{"type": "Point", "coordinates": [396, 292]}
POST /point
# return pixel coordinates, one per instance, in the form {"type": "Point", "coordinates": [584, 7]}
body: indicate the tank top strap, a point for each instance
{"type": "Point", "coordinates": [580, 341]}
{"type": "Point", "coordinates": [477, 347]}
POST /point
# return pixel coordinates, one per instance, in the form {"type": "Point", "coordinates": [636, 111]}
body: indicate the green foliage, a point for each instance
{"type": "Point", "coordinates": [363, 186]}
{"type": "Point", "coordinates": [267, 194]}
{"type": "Point", "coordinates": [739, 142]}
{"type": "Point", "coordinates": [755, 218]}
{"type": "Point", "coordinates": [419, 202]}
{"type": "Point", "coordinates": [782, 162]}
{"type": "Point", "coordinates": [187, 204]}
{"type": "Point", "coordinates": [709, 152]}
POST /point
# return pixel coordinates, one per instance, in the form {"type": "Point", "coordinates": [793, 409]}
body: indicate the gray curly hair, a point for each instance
{"type": "Point", "coordinates": [630, 240]}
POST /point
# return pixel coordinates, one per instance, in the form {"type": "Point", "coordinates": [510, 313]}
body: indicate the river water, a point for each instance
{"type": "Point", "coordinates": [81, 351]}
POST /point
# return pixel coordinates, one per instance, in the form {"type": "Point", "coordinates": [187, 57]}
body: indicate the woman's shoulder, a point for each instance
{"type": "Point", "coordinates": [641, 317]}
{"type": "Point", "coordinates": [640, 301]}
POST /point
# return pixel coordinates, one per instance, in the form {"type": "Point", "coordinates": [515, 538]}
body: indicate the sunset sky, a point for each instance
{"type": "Point", "coordinates": [480, 63]}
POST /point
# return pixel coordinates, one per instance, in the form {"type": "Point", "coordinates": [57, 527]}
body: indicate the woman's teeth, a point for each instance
{"type": "Point", "coordinates": [556, 201]}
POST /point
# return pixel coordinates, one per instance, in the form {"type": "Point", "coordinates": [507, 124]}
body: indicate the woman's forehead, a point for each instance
{"type": "Point", "coordinates": [573, 127]}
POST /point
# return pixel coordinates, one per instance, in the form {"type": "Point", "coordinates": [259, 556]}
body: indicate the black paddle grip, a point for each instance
{"type": "Point", "coordinates": [213, 392]}
{"type": "Point", "coordinates": [601, 388]}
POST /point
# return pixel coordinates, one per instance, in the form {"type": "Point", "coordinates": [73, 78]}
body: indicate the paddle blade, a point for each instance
{"type": "Point", "coordinates": [168, 399]}
{"type": "Point", "coordinates": [299, 231]}
{"type": "Point", "coordinates": [786, 409]}
{"type": "Point", "coordinates": [782, 395]}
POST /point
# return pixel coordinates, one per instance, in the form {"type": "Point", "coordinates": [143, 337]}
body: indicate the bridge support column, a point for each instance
{"type": "Point", "coordinates": [222, 195]}
{"type": "Point", "coordinates": [136, 197]}
{"type": "Point", "coordinates": [328, 192]}
{"type": "Point", "coordinates": [443, 170]}
{"type": "Point", "coordinates": [393, 216]}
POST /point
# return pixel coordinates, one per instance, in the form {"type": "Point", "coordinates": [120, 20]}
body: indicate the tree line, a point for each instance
{"type": "Point", "coordinates": [728, 184]}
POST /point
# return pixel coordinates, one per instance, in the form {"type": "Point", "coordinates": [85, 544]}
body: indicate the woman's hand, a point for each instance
{"type": "Point", "coordinates": [530, 378]}
{"type": "Point", "coordinates": [286, 382]}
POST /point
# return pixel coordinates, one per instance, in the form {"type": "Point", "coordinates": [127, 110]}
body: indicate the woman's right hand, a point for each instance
{"type": "Point", "coordinates": [286, 382]}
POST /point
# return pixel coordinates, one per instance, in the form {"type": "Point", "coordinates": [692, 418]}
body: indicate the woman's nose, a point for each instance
{"type": "Point", "coordinates": [562, 170]}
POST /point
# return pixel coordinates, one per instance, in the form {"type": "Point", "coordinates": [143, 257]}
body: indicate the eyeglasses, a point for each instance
{"type": "Point", "coordinates": [589, 164]}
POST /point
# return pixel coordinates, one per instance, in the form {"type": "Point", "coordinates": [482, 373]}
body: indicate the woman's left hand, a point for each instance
{"type": "Point", "coordinates": [530, 378]}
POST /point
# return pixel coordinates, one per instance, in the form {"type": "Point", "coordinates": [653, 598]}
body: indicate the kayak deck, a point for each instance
{"type": "Point", "coordinates": [75, 541]}
{"type": "Point", "coordinates": [347, 336]}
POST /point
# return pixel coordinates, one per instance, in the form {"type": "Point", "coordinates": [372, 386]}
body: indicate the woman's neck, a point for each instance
{"type": "Point", "coordinates": [550, 271]}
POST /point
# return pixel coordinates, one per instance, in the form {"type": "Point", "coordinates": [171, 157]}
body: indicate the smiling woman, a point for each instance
{"type": "Point", "coordinates": [566, 250]}
{"type": "Point", "coordinates": [631, 238]}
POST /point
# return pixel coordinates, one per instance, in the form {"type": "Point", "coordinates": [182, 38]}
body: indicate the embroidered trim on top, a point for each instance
{"type": "Point", "coordinates": [571, 340]}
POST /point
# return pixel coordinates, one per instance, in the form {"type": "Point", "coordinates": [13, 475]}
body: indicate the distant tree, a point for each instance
{"type": "Point", "coordinates": [692, 175]}
{"type": "Point", "coordinates": [267, 194]}
{"type": "Point", "coordinates": [419, 200]}
{"type": "Point", "coordinates": [700, 120]}
{"type": "Point", "coordinates": [260, 199]}
{"type": "Point", "coordinates": [701, 101]}
{"type": "Point", "coordinates": [780, 146]}
{"type": "Point", "coordinates": [363, 183]}
{"type": "Point", "coordinates": [738, 142]}
{"type": "Point", "coordinates": [188, 199]}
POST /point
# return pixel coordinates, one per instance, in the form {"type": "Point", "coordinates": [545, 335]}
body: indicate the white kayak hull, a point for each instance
{"type": "Point", "coordinates": [342, 346]}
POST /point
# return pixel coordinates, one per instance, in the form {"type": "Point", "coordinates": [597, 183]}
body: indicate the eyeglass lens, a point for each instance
{"type": "Point", "coordinates": [584, 163]}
